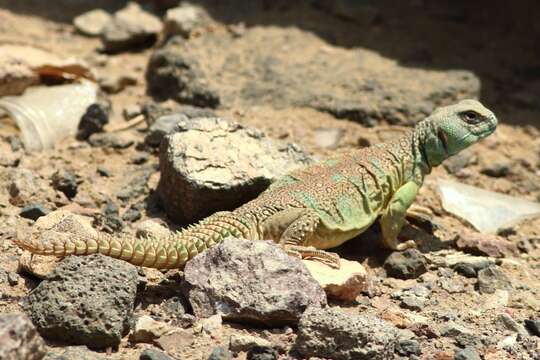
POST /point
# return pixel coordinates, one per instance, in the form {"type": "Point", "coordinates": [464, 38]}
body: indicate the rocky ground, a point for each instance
{"type": "Point", "coordinates": [247, 91]}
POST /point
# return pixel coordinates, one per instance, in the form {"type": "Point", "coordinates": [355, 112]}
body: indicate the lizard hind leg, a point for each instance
{"type": "Point", "coordinates": [302, 225]}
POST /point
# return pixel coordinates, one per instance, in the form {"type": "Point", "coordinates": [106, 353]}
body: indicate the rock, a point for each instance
{"type": "Point", "coordinates": [212, 325]}
{"type": "Point", "coordinates": [509, 323]}
{"type": "Point", "coordinates": [110, 221]}
{"type": "Point", "coordinates": [115, 83]}
{"type": "Point", "coordinates": [132, 214]}
{"type": "Point", "coordinates": [176, 341]}
{"type": "Point", "coordinates": [497, 168]}
{"type": "Point", "coordinates": [19, 338]}
{"type": "Point", "coordinates": [408, 347]}
{"type": "Point", "coordinates": [485, 245]}
{"type": "Point", "coordinates": [66, 182]}
{"type": "Point", "coordinates": [92, 23]}
{"type": "Point", "coordinates": [533, 326]}
{"type": "Point", "coordinates": [239, 343]}
{"type": "Point", "coordinates": [251, 72]}
{"type": "Point", "coordinates": [131, 28]}
{"type": "Point", "coordinates": [227, 278]}
{"type": "Point", "coordinates": [15, 75]}
{"type": "Point", "coordinates": [87, 300]}
{"type": "Point", "coordinates": [13, 278]}
{"type": "Point", "coordinates": [131, 111]}
{"type": "Point", "coordinates": [25, 188]}
{"type": "Point", "coordinates": [162, 126]}
{"type": "Point", "coordinates": [408, 264]}
{"type": "Point", "coordinates": [110, 140]}
{"type": "Point", "coordinates": [33, 211]}
{"type": "Point", "coordinates": [344, 283]}
{"type": "Point", "coordinates": [147, 329]}
{"type": "Point", "coordinates": [182, 20]}
{"type": "Point", "coordinates": [153, 354]}
{"type": "Point", "coordinates": [468, 353]}
{"type": "Point", "coordinates": [220, 353]}
{"type": "Point", "coordinates": [332, 333]}
{"type": "Point", "coordinates": [453, 330]}
{"type": "Point", "coordinates": [210, 165]}
{"type": "Point", "coordinates": [458, 161]}
{"type": "Point", "coordinates": [328, 138]}
{"type": "Point", "coordinates": [262, 353]}
{"type": "Point", "coordinates": [151, 227]}
{"type": "Point", "coordinates": [413, 298]}
{"type": "Point", "coordinates": [94, 119]}
{"type": "Point", "coordinates": [491, 279]}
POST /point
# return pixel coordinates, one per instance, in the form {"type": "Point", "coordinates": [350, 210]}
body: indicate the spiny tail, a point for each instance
{"type": "Point", "coordinates": [167, 252]}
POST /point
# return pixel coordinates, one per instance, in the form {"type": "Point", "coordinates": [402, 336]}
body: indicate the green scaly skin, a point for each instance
{"type": "Point", "coordinates": [311, 209]}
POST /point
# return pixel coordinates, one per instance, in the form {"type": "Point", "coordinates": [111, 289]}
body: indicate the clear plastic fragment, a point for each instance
{"type": "Point", "coordinates": [487, 211]}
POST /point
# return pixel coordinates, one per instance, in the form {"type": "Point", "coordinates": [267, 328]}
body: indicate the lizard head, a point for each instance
{"type": "Point", "coordinates": [453, 128]}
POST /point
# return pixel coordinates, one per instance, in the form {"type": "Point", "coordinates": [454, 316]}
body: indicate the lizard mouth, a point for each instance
{"type": "Point", "coordinates": [444, 140]}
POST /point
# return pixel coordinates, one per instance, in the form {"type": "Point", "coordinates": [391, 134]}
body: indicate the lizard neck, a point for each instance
{"type": "Point", "coordinates": [415, 161]}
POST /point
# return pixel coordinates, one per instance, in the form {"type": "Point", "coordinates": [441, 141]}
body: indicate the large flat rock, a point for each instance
{"type": "Point", "coordinates": [287, 67]}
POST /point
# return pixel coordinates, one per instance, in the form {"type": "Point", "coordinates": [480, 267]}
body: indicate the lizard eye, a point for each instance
{"type": "Point", "coordinates": [471, 117]}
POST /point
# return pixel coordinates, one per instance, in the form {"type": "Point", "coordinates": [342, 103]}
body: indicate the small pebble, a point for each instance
{"type": "Point", "coordinates": [220, 353]}
{"type": "Point", "coordinates": [408, 347]}
{"type": "Point", "coordinates": [33, 212]}
{"type": "Point", "coordinates": [13, 278]}
{"type": "Point", "coordinates": [152, 354]}
{"type": "Point", "coordinates": [467, 354]}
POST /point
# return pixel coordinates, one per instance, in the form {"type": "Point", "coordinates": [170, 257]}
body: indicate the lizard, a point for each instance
{"type": "Point", "coordinates": [311, 209]}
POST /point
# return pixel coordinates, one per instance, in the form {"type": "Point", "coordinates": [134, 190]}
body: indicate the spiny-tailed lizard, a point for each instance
{"type": "Point", "coordinates": [311, 209]}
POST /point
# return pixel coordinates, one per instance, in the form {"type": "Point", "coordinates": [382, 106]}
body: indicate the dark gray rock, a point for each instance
{"type": "Point", "coordinates": [209, 164]}
{"type": "Point", "coordinates": [408, 347]}
{"type": "Point", "coordinates": [152, 354]}
{"type": "Point", "coordinates": [250, 281]}
{"type": "Point", "coordinates": [408, 264]}
{"type": "Point", "coordinates": [332, 333]}
{"type": "Point", "coordinates": [251, 72]}
{"type": "Point", "coordinates": [220, 353]}
{"type": "Point", "coordinates": [533, 326]}
{"type": "Point", "coordinates": [33, 211]}
{"type": "Point", "coordinates": [497, 168]}
{"type": "Point", "coordinates": [491, 279]}
{"type": "Point", "coordinates": [19, 338]}
{"type": "Point", "coordinates": [86, 300]}
{"type": "Point", "coordinates": [94, 119]}
{"type": "Point", "coordinates": [262, 353]}
{"type": "Point", "coordinates": [468, 353]}
{"type": "Point", "coordinates": [66, 182]}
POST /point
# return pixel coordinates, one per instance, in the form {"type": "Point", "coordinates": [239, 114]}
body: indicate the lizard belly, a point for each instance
{"type": "Point", "coordinates": [325, 238]}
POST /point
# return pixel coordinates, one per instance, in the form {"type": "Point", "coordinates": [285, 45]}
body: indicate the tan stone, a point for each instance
{"type": "Point", "coordinates": [344, 283]}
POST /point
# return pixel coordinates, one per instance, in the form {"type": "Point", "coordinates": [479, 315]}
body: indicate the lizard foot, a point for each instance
{"type": "Point", "coordinates": [311, 253]}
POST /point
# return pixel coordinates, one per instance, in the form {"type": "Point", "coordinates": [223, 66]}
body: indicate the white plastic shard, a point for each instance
{"type": "Point", "coordinates": [46, 114]}
{"type": "Point", "coordinates": [486, 210]}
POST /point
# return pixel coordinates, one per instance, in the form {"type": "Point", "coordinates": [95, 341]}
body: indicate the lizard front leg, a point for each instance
{"type": "Point", "coordinates": [393, 216]}
{"type": "Point", "coordinates": [298, 226]}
